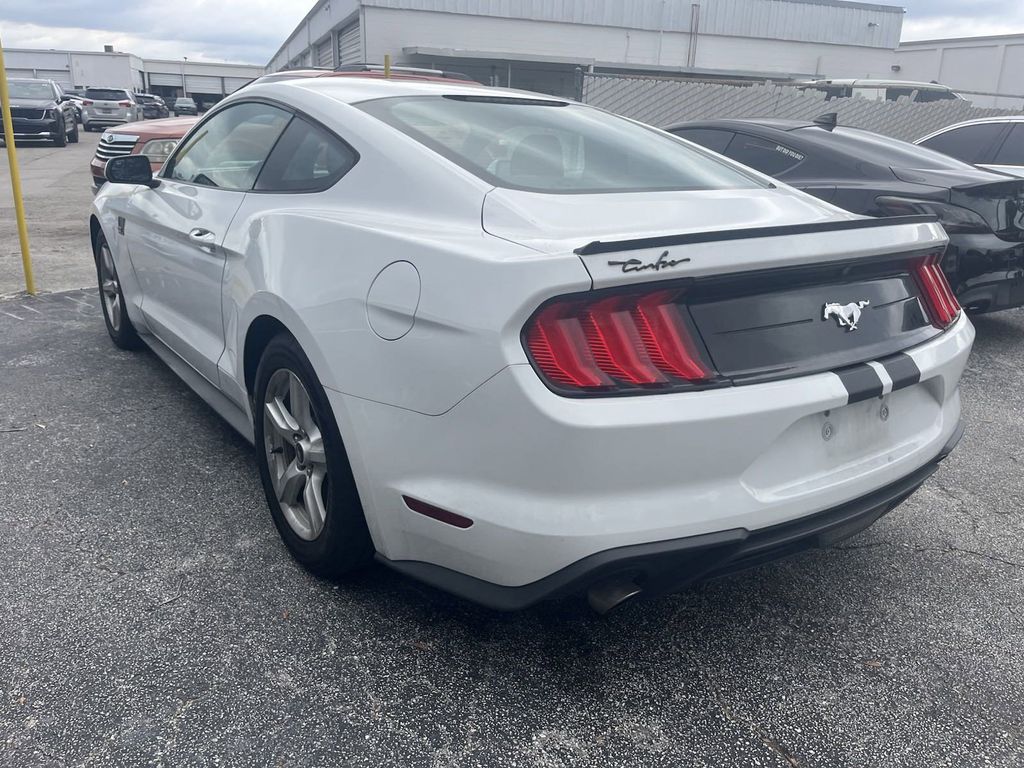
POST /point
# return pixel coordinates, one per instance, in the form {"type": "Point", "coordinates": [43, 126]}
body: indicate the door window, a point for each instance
{"type": "Point", "coordinates": [306, 159]}
{"type": "Point", "coordinates": [1012, 151]}
{"type": "Point", "coordinates": [969, 143]}
{"type": "Point", "coordinates": [229, 150]}
{"type": "Point", "coordinates": [768, 157]}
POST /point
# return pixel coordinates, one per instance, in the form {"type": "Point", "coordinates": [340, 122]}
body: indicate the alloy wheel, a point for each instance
{"type": "Point", "coordinates": [110, 288]}
{"type": "Point", "coordinates": [295, 454]}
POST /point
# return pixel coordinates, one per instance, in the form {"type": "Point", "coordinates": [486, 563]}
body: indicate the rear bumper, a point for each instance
{"type": "Point", "coordinates": [549, 481]}
{"type": "Point", "coordinates": [987, 273]}
{"type": "Point", "coordinates": [93, 118]}
{"type": "Point", "coordinates": [668, 566]}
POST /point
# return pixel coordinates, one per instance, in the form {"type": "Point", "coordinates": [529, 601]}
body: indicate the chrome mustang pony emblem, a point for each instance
{"type": "Point", "coordinates": [847, 315]}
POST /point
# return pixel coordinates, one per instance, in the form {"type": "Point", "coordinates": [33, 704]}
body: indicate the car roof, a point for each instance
{"type": "Point", "coordinates": [735, 124]}
{"type": "Point", "coordinates": [869, 83]}
{"type": "Point", "coordinates": [397, 73]}
{"type": "Point", "coordinates": [977, 121]}
{"type": "Point", "coordinates": [352, 90]}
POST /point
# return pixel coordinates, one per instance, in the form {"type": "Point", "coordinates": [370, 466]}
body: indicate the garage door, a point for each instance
{"type": "Point", "coordinates": [350, 45]}
{"type": "Point", "coordinates": [60, 76]}
{"type": "Point", "coordinates": [163, 78]}
{"type": "Point", "coordinates": [325, 55]}
{"type": "Point", "coordinates": [202, 84]}
{"type": "Point", "coordinates": [232, 84]}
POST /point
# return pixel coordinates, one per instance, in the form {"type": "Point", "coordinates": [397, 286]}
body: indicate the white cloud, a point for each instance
{"type": "Point", "coordinates": [955, 26]}
{"type": "Point", "coordinates": [75, 39]}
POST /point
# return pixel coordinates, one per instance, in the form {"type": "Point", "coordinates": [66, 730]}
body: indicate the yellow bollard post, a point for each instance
{"type": "Point", "coordinates": [387, 65]}
{"type": "Point", "coordinates": [12, 159]}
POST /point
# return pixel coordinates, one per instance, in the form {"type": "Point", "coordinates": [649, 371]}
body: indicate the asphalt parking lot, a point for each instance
{"type": "Point", "coordinates": [57, 191]}
{"type": "Point", "coordinates": [149, 614]}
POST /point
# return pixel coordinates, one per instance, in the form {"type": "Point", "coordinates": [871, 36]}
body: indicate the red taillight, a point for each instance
{"type": "Point", "coordinates": [638, 341]}
{"type": "Point", "coordinates": [124, 103]}
{"type": "Point", "coordinates": [937, 296]}
{"type": "Point", "coordinates": [86, 103]}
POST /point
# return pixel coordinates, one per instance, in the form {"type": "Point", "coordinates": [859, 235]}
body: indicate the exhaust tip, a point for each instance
{"type": "Point", "coordinates": [609, 595]}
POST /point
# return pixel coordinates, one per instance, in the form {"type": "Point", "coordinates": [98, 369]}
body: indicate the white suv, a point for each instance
{"type": "Point", "coordinates": [996, 143]}
{"type": "Point", "coordinates": [103, 107]}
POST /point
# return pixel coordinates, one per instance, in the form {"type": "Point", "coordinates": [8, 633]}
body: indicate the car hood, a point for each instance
{"type": "Point", "coordinates": [169, 128]}
{"type": "Point", "coordinates": [34, 103]}
{"type": "Point", "coordinates": [554, 223]}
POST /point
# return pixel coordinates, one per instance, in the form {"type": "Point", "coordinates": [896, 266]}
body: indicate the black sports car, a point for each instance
{"type": "Point", "coordinates": [982, 211]}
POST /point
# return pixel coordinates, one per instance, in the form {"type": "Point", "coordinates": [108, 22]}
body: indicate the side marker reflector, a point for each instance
{"type": "Point", "coordinates": [443, 515]}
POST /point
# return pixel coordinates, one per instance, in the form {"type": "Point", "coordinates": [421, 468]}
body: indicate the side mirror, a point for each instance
{"type": "Point", "coordinates": [131, 169]}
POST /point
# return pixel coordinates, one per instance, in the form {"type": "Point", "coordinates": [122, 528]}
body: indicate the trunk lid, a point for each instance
{"type": "Point", "coordinates": [756, 297]}
{"type": "Point", "coordinates": [558, 223]}
{"type": "Point", "coordinates": [997, 198]}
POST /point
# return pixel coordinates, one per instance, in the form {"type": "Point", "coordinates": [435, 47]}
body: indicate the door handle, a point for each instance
{"type": "Point", "coordinates": [204, 236]}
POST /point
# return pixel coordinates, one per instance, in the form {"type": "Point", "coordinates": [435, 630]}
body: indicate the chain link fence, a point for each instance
{"type": "Point", "coordinates": [661, 102]}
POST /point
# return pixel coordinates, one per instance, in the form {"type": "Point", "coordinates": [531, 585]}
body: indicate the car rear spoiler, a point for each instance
{"type": "Point", "coordinates": [613, 246]}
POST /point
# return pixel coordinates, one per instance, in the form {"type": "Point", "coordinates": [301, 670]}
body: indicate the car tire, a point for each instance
{"type": "Point", "coordinates": [73, 136]}
{"type": "Point", "coordinates": [306, 475]}
{"type": "Point", "coordinates": [115, 316]}
{"type": "Point", "coordinates": [61, 139]}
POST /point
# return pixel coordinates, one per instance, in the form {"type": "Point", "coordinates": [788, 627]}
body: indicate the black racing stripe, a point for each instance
{"type": "Point", "coordinates": [902, 370]}
{"type": "Point", "coordinates": [861, 381]}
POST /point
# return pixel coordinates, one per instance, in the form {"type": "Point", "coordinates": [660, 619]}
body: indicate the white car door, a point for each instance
{"type": "Point", "coordinates": [175, 232]}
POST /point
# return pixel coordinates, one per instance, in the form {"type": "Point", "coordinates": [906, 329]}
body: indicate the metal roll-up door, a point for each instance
{"type": "Point", "coordinates": [325, 54]}
{"type": "Point", "coordinates": [162, 78]}
{"type": "Point", "coordinates": [350, 45]}
{"type": "Point", "coordinates": [60, 76]}
{"type": "Point", "coordinates": [202, 84]}
{"type": "Point", "coordinates": [232, 84]}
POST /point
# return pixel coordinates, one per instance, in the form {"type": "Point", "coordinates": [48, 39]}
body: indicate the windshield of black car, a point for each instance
{"type": "Point", "coordinates": [28, 90]}
{"type": "Point", "coordinates": [894, 153]}
{"type": "Point", "coordinates": [553, 146]}
{"type": "Point", "coordinates": [106, 94]}
{"type": "Point", "coordinates": [185, 102]}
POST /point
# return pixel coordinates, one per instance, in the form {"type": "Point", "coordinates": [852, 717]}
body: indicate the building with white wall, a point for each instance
{"type": "Point", "coordinates": [978, 67]}
{"type": "Point", "coordinates": [538, 44]}
{"type": "Point", "coordinates": [207, 82]}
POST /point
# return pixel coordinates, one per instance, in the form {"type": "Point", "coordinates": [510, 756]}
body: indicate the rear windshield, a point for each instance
{"type": "Point", "coordinates": [106, 94]}
{"type": "Point", "coordinates": [545, 146]}
{"type": "Point", "coordinates": [875, 148]}
{"type": "Point", "coordinates": [30, 90]}
{"type": "Point", "coordinates": [180, 100]}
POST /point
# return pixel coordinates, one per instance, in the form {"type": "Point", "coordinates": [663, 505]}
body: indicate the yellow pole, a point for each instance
{"type": "Point", "coordinates": [387, 65]}
{"type": "Point", "coordinates": [12, 160]}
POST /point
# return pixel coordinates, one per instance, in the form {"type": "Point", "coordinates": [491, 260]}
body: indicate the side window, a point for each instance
{"type": "Point", "coordinates": [767, 157]}
{"type": "Point", "coordinates": [1012, 151]}
{"type": "Point", "coordinates": [712, 138]}
{"type": "Point", "coordinates": [968, 143]}
{"type": "Point", "coordinates": [926, 96]}
{"type": "Point", "coordinates": [229, 150]}
{"type": "Point", "coordinates": [306, 159]}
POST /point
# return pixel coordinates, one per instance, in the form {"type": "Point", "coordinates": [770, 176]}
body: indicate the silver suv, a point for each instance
{"type": "Point", "coordinates": [109, 106]}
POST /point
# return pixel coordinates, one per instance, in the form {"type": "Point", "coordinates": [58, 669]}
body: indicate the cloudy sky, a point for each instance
{"type": "Point", "coordinates": [251, 31]}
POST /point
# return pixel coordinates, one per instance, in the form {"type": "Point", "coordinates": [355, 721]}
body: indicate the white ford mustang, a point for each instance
{"type": "Point", "coordinates": [520, 348]}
